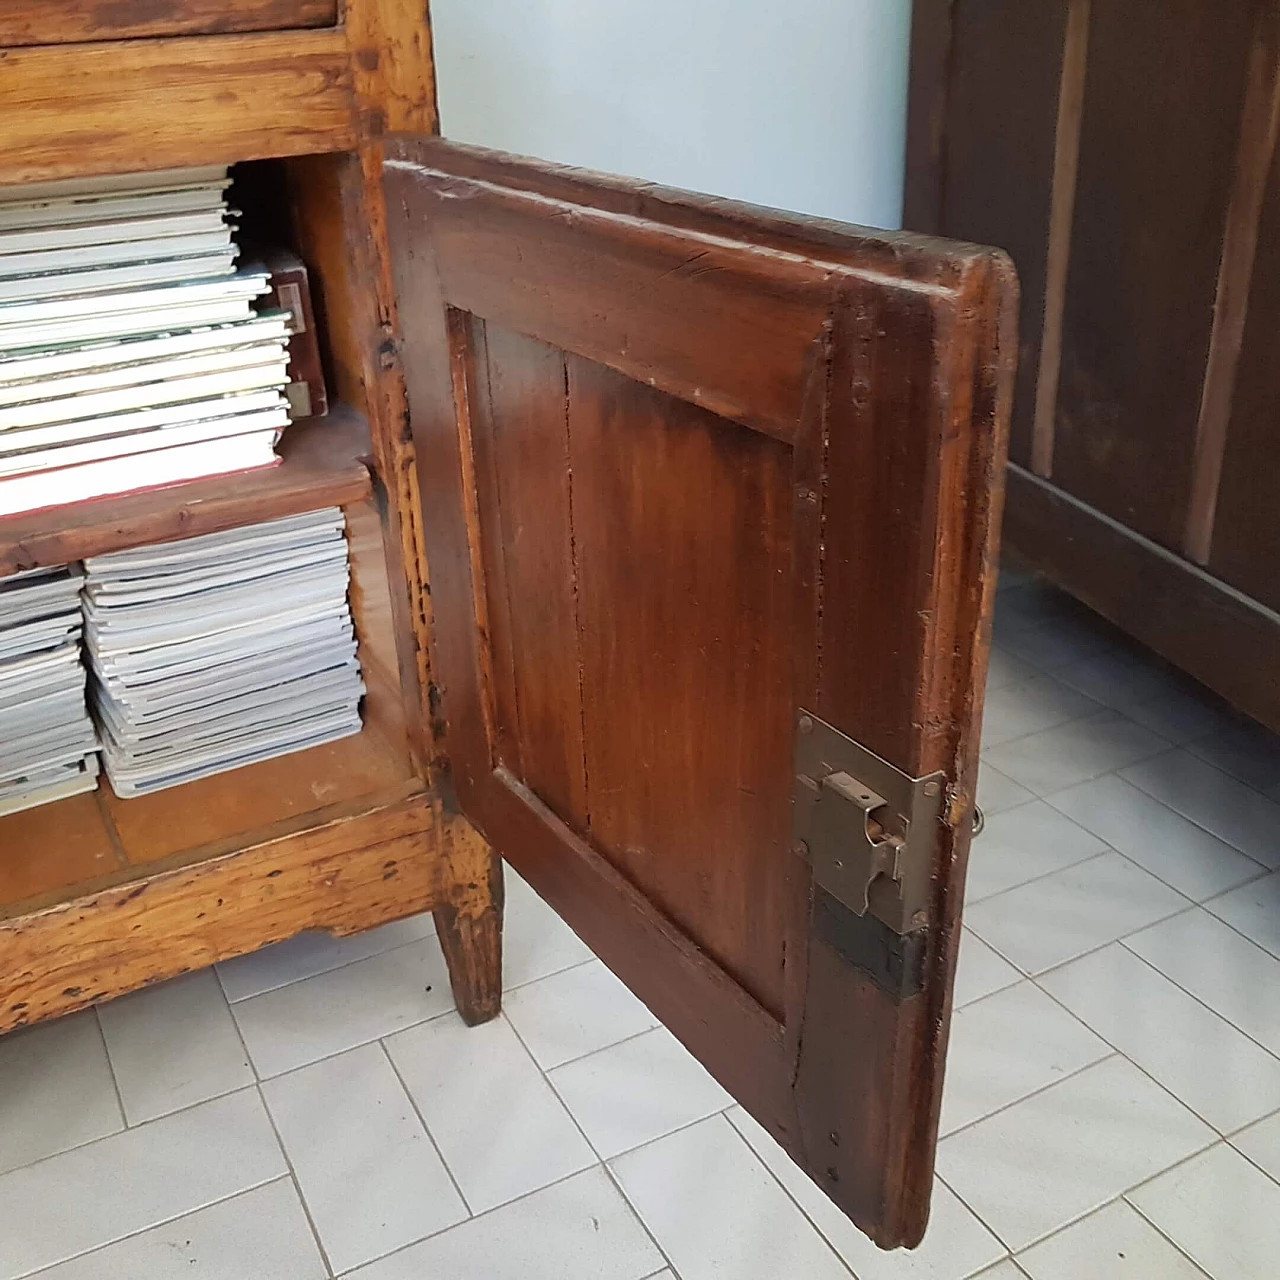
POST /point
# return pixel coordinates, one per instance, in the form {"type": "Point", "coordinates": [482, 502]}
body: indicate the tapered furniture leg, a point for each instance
{"type": "Point", "coordinates": [470, 933]}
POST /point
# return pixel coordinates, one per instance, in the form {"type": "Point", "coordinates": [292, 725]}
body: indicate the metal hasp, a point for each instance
{"type": "Point", "coordinates": [868, 829]}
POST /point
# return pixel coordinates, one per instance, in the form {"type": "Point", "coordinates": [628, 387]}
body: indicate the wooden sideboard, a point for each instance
{"type": "Point", "coordinates": [672, 530]}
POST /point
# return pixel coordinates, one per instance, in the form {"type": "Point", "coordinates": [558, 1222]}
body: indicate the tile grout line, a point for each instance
{"type": "Point", "coordinates": [1164, 1235]}
{"type": "Point", "coordinates": [153, 1226]}
{"type": "Point", "coordinates": [1102, 946]}
{"type": "Point", "coordinates": [786, 1191]}
{"type": "Point", "coordinates": [1202, 1002]}
{"type": "Point", "coordinates": [271, 1120]}
{"type": "Point", "coordinates": [115, 1080]}
{"type": "Point", "coordinates": [479, 1217]}
{"type": "Point", "coordinates": [1101, 708]}
{"type": "Point", "coordinates": [591, 1053]}
{"type": "Point", "coordinates": [1194, 822]}
{"type": "Point", "coordinates": [320, 973]}
{"type": "Point", "coordinates": [292, 1175]}
{"type": "Point", "coordinates": [426, 1128]}
{"type": "Point", "coordinates": [1034, 1093]}
{"type": "Point", "coordinates": [601, 1162]}
{"type": "Point", "coordinates": [1137, 1066]}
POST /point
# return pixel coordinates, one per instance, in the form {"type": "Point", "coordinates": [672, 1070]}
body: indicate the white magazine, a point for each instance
{"type": "Point", "coordinates": [45, 334]}
{"type": "Point", "coordinates": [118, 424]}
{"type": "Point", "coordinates": [141, 471]}
{"type": "Point", "coordinates": [140, 442]}
{"type": "Point", "coordinates": [57, 362]}
{"type": "Point", "coordinates": [150, 395]}
{"type": "Point", "coordinates": [243, 285]}
{"type": "Point", "coordinates": [57, 784]}
{"type": "Point", "coordinates": [72, 235]}
{"type": "Point", "coordinates": [114, 207]}
{"type": "Point", "coordinates": [72, 189]}
{"type": "Point", "coordinates": [127, 375]}
{"type": "Point", "coordinates": [53, 284]}
{"type": "Point", "coordinates": [22, 266]}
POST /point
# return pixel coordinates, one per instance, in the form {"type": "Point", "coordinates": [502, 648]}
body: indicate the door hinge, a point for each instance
{"type": "Point", "coordinates": [868, 830]}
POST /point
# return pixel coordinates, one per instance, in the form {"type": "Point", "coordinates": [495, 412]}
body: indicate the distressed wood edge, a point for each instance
{"type": "Point", "coordinates": [469, 927]}
{"type": "Point", "coordinates": [990, 368]}
{"type": "Point", "coordinates": [73, 22]}
{"type": "Point", "coordinates": [345, 877]}
{"type": "Point", "coordinates": [905, 257]}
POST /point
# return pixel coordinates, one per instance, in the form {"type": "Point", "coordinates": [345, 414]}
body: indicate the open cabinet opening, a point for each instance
{"type": "Point", "coordinates": [63, 851]}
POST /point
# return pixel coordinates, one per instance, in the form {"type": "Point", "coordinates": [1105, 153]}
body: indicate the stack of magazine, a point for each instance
{"type": "Point", "coordinates": [130, 352]}
{"type": "Point", "coordinates": [48, 749]}
{"type": "Point", "coordinates": [222, 650]}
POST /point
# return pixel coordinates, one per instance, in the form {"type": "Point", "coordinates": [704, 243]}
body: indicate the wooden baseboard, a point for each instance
{"type": "Point", "coordinates": [1212, 631]}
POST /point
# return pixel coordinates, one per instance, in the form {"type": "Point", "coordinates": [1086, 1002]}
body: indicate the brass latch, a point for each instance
{"type": "Point", "coordinates": [868, 829]}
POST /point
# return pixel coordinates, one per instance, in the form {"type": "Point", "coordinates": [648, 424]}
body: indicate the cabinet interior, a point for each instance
{"type": "Point", "coordinates": [61, 852]}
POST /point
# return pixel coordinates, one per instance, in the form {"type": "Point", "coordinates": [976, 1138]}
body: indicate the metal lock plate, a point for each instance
{"type": "Point", "coordinates": [869, 830]}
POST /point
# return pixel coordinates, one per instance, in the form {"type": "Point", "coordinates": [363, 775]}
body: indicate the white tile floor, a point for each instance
{"type": "Point", "coordinates": [1113, 1094]}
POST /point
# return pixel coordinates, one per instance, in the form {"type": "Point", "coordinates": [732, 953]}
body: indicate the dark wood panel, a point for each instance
{"type": "Point", "coordinates": [1246, 529]}
{"type": "Point", "coordinates": [998, 158]}
{"type": "Point", "coordinates": [1156, 163]}
{"type": "Point", "coordinates": [522, 431]}
{"type": "Point", "coordinates": [928, 122]}
{"type": "Point", "coordinates": [1212, 631]}
{"type": "Point", "coordinates": [682, 530]}
{"type": "Point", "coordinates": [24, 22]}
{"type": "Point", "coordinates": [320, 467]}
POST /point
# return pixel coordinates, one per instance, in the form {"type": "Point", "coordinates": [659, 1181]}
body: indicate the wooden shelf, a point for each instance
{"type": "Point", "coordinates": [60, 852]}
{"type": "Point", "coordinates": [321, 467]}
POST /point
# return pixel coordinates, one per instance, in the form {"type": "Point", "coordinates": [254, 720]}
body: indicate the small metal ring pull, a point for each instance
{"type": "Point", "coordinates": [979, 820]}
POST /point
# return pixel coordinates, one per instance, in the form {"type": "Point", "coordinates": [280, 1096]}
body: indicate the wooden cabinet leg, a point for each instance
{"type": "Point", "coordinates": [471, 939]}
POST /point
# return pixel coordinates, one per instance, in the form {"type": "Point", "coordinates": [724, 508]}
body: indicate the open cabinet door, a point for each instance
{"type": "Point", "coordinates": [709, 497]}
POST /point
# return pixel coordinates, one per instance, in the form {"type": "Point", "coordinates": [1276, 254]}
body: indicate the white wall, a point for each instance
{"type": "Point", "coordinates": [794, 103]}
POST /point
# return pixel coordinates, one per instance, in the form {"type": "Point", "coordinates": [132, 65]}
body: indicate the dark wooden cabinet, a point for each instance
{"type": "Point", "coordinates": [672, 525]}
{"type": "Point", "coordinates": [1125, 155]}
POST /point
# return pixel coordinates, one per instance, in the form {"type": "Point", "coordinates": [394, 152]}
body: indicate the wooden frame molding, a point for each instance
{"type": "Point", "coordinates": [1183, 613]}
{"type": "Point", "coordinates": [1066, 164]}
{"type": "Point", "coordinates": [1259, 129]}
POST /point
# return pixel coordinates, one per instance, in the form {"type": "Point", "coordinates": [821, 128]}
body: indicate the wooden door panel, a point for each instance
{"type": "Point", "coordinates": [693, 475]}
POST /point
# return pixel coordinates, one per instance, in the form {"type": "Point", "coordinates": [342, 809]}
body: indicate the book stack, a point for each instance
{"type": "Point", "coordinates": [130, 353]}
{"type": "Point", "coordinates": [222, 650]}
{"type": "Point", "coordinates": [48, 749]}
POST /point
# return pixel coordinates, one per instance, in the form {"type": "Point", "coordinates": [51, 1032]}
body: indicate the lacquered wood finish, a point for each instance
{"type": "Point", "coordinates": [1141, 219]}
{"type": "Point", "coordinates": [687, 466]}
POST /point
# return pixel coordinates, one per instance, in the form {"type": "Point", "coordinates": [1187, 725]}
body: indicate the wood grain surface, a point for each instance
{"type": "Point", "coordinates": [769, 450]}
{"type": "Point", "coordinates": [344, 876]}
{"type": "Point", "coordinates": [1149, 294]}
{"type": "Point", "coordinates": [157, 104]}
{"type": "Point", "coordinates": [24, 22]}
